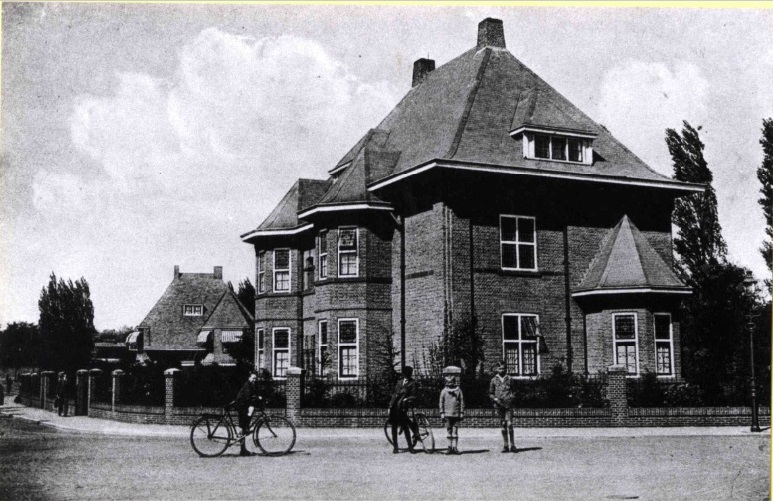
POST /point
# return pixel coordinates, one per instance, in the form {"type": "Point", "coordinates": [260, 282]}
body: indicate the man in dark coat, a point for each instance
{"type": "Point", "coordinates": [62, 395]}
{"type": "Point", "coordinates": [246, 400]}
{"type": "Point", "coordinates": [402, 400]}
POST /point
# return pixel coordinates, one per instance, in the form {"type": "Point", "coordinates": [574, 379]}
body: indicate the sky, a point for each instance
{"type": "Point", "coordinates": [138, 137]}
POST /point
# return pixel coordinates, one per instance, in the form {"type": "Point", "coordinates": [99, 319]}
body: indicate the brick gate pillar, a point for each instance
{"type": "Point", "coordinates": [170, 376]}
{"type": "Point", "coordinates": [117, 378]}
{"type": "Point", "coordinates": [35, 389]}
{"type": "Point", "coordinates": [294, 392]}
{"type": "Point", "coordinates": [93, 377]}
{"type": "Point", "coordinates": [617, 394]}
{"type": "Point", "coordinates": [46, 380]}
{"type": "Point", "coordinates": [82, 393]}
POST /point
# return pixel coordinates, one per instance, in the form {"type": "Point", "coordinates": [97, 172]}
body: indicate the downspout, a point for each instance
{"type": "Point", "coordinates": [401, 229]}
{"type": "Point", "coordinates": [567, 302]}
{"type": "Point", "coordinates": [472, 276]}
{"type": "Point", "coordinates": [301, 288]}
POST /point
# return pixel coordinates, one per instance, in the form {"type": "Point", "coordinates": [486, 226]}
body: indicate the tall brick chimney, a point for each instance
{"type": "Point", "coordinates": [176, 271]}
{"type": "Point", "coordinates": [491, 33]}
{"type": "Point", "coordinates": [421, 68]}
{"type": "Point", "coordinates": [218, 272]}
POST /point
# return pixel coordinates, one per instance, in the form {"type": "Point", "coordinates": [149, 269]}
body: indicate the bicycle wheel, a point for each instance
{"type": "Point", "coordinates": [275, 435]}
{"type": "Point", "coordinates": [388, 431]}
{"type": "Point", "coordinates": [425, 435]}
{"type": "Point", "coordinates": [210, 436]}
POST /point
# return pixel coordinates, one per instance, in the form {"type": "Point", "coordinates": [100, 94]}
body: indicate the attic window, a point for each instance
{"type": "Point", "coordinates": [193, 310]}
{"type": "Point", "coordinates": [558, 147]}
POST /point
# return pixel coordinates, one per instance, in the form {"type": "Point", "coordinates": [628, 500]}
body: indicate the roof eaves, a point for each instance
{"type": "Point", "coordinates": [254, 234]}
{"type": "Point", "coordinates": [631, 290]}
{"type": "Point", "coordinates": [345, 207]}
{"type": "Point", "coordinates": [679, 186]}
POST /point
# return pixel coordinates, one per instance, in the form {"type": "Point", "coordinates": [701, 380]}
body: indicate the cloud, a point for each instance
{"type": "Point", "coordinates": [171, 169]}
{"type": "Point", "coordinates": [659, 97]}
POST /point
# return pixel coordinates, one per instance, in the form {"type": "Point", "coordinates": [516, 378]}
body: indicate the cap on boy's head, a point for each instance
{"type": "Point", "coordinates": [407, 371]}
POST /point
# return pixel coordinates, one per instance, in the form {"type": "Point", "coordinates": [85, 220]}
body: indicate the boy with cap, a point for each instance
{"type": "Point", "coordinates": [452, 411]}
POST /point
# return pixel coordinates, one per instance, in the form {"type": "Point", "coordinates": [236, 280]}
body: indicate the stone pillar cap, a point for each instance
{"type": "Point", "coordinates": [452, 370]}
{"type": "Point", "coordinates": [95, 371]}
{"type": "Point", "coordinates": [294, 371]}
{"type": "Point", "coordinates": [82, 371]}
{"type": "Point", "coordinates": [616, 369]}
{"type": "Point", "coordinates": [118, 372]}
{"type": "Point", "coordinates": [171, 372]}
{"type": "Point", "coordinates": [46, 373]}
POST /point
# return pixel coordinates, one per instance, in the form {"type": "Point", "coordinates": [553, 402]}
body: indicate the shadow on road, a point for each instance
{"type": "Point", "coordinates": [527, 449]}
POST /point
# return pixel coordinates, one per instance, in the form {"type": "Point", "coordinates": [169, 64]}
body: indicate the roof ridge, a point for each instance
{"type": "Point", "coordinates": [470, 101]}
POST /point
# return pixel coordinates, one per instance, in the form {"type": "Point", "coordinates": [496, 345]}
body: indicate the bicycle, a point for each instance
{"type": "Point", "coordinates": [212, 434]}
{"type": "Point", "coordinates": [420, 431]}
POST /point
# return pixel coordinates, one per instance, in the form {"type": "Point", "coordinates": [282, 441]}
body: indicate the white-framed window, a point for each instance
{"type": "Point", "coordinates": [322, 346]}
{"type": "Point", "coordinates": [282, 270]}
{"type": "Point", "coordinates": [322, 254]}
{"type": "Point", "coordinates": [664, 345]}
{"type": "Point", "coordinates": [518, 242]}
{"type": "Point", "coordinates": [558, 147]}
{"type": "Point", "coordinates": [348, 348]}
{"type": "Point", "coordinates": [261, 272]}
{"type": "Point", "coordinates": [520, 344]}
{"type": "Point", "coordinates": [261, 349]}
{"type": "Point", "coordinates": [193, 310]}
{"type": "Point", "coordinates": [626, 341]}
{"type": "Point", "coordinates": [281, 350]}
{"type": "Point", "coordinates": [348, 259]}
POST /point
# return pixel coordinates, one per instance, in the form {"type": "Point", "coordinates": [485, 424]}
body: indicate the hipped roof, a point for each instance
{"type": "Point", "coordinates": [465, 111]}
{"type": "Point", "coordinates": [626, 262]}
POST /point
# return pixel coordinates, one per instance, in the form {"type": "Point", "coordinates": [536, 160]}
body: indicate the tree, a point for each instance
{"type": "Point", "coordinates": [463, 344]}
{"type": "Point", "coordinates": [245, 294]}
{"type": "Point", "coordinates": [20, 345]}
{"type": "Point", "coordinates": [699, 241]}
{"type": "Point", "coordinates": [765, 175]}
{"type": "Point", "coordinates": [66, 324]}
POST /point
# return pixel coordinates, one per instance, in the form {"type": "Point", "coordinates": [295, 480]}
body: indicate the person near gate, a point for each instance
{"type": "Point", "coordinates": [246, 401]}
{"type": "Point", "coordinates": [402, 400]}
{"type": "Point", "coordinates": [62, 395]}
{"type": "Point", "coordinates": [501, 395]}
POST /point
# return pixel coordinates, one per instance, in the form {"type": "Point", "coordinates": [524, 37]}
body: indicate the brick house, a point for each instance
{"type": "Point", "coordinates": [484, 194]}
{"type": "Point", "coordinates": [197, 319]}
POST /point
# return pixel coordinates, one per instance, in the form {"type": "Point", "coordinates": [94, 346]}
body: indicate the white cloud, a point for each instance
{"type": "Point", "coordinates": [174, 168]}
{"type": "Point", "coordinates": [640, 100]}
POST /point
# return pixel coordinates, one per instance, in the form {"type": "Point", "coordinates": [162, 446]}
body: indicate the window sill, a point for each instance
{"type": "Point", "coordinates": [519, 273]}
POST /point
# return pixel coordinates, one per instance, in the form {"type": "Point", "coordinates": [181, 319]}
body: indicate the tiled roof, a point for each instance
{"type": "Point", "coordinates": [626, 261]}
{"type": "Point", "coordinates": [465, 110]}
{"type": "Point", "coordinates": [303, 194]}
{"type": "Point", "coordinates": [169, 329]}
{"type": "Point", "coordinates": [229, 314]}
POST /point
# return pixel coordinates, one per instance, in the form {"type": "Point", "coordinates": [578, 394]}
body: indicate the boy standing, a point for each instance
{"type": "Point", "coordinates": [452, 411]}
{"type": "Point", "coordinates": [501, 394]}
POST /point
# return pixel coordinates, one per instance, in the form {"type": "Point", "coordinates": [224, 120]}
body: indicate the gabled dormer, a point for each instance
{"type": "Point", "coordinates": [547, 132]}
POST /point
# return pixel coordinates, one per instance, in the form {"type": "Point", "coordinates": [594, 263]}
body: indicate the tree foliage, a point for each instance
{"type": "Point", "coordinates": [66, 324]}
{"type": "Point", "coordinates": [20, 345]}
{"type": "Point", "coordinates": [765, 176]}
{"type": "Point", "coordinates": [699, 241]}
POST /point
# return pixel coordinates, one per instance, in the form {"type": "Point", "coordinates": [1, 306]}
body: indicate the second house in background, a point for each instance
{"type": "Point", "coordinates": [197, 319]}
{"type": "Point", "coordinates": [484, 194]}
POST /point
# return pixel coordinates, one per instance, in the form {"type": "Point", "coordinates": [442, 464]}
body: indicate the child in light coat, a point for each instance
{"type": "Point", "coordinates": [452, 411]}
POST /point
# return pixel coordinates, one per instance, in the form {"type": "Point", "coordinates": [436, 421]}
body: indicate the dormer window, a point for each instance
{"type": "Point", "coordinates": [193, 310]}
{"type": "Point", "coordinates": [556, 146]}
